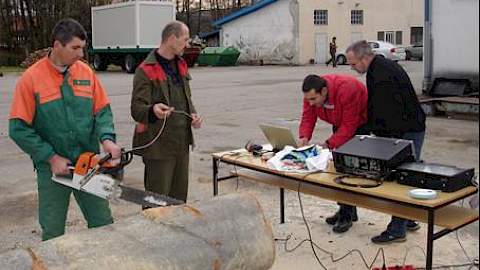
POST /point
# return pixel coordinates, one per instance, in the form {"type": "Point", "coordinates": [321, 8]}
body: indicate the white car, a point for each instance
{"type": "Point", "coordinates": [385, 49]}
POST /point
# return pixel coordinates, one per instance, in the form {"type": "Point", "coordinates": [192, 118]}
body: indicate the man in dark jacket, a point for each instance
{"type": "Point", "coordinates": [393, 111]}
{"type": "Point", "coordinates": [341, 101]}
{"type": "Point", "coordinates": [162, 104]}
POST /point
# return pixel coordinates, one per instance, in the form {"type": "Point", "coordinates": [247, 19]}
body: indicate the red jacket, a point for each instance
{"type": "Point", "coordinates": [345, 108]}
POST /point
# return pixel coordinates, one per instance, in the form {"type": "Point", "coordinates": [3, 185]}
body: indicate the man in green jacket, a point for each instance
{"type": "Point", "coordinates": [162, 104]}
{"type": "Point", "coordinates": [59, 111]}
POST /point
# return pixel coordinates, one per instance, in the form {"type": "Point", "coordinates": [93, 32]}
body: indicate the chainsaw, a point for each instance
{"type": "Point", "coordinates": [93, 174]}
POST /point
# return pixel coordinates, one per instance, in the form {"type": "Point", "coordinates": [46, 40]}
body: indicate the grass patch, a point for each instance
{"type": "Point", "coordinates": [11, 69]}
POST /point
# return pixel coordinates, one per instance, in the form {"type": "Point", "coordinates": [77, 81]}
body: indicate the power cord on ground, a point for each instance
{"type": "Point", "coordinates": [471, 263]}
{"type": "Point", "coordinates": [313, 245]}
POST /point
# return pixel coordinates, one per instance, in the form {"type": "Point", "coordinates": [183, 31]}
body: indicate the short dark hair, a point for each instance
{"type": "Point", "coordinates": [67, 29]}
{"type": "Point", "coordinates": [313, 82]}
{"type": "Point", "coordinates": [174, 28]}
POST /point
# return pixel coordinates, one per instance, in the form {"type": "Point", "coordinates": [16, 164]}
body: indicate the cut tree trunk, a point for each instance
{"type": "Point", "coordinates": [226, 232]}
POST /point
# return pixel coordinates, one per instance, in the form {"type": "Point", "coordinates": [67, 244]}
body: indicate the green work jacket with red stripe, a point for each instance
{"type": "Point", "coordinates": [59, 113]}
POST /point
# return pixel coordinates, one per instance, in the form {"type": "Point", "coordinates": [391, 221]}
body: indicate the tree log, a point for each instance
{"type": "Point", "coordinates": [226, 232]}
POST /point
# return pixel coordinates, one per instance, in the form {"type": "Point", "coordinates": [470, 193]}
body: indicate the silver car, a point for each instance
{"type": "Point", "coordinates": [414, 51]}
{"type": "Point", "coordinates": [385, 49]}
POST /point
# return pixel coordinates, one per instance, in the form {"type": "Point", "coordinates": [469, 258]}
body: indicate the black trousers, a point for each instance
{"type": "Point", "coordinates": [332, 60]}
{"type": "Point", "coordinates": [346, 209]}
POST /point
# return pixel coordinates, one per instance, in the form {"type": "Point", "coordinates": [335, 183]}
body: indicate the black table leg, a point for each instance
{"type": "Point", "coordinates": [431, 220]}
{"type": "Point", "coordinates": [215, 176]}
{"type": "Point", "coordinates": [282, 206]}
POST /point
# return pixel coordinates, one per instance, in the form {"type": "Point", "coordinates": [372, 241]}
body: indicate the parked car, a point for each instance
{"type": "Point", "coordinates": [414, 51]}
{"type": "Point", "coordinates": [385, 49]}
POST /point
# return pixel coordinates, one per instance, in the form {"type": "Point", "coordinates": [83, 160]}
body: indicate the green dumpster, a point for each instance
{"type": "Point", "coordinates": [218, 56]}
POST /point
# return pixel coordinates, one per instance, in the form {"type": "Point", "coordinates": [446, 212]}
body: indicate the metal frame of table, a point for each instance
{"type": "Point", "coordinates": [431, 235]}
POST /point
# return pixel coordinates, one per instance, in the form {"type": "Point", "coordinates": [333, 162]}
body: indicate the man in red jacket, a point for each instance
{"type": "Point", "coordinates": [340, 100]}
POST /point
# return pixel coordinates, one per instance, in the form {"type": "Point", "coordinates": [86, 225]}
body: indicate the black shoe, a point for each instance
{"type": "Point", "coordinates": [343, 225]}
{"type": "Point", "coordinates": [332, 220]}
{"type": "Point", "coordinates": [412, 226]}
{"type": "Point", "coordinates": [386, 238]}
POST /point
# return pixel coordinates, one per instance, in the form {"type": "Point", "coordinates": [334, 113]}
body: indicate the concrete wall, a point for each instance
{"type": "Point", "coordinates": [267, 35]}
{"type": "Point", "coordinates": [384, 15]}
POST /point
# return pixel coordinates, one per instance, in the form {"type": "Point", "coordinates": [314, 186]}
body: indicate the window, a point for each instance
{"type": "Point", "coordinates": [320, 17]}
{"type": "Point", "coordinates": [381, 36]}
{"type": "Point", "coordinates": [398, 38]}
{"type": "Point", "coordinates": [416, 35]}
{"type": "Point", "coordinates": [357, 16]}
{"type": "Point", "coordinates": [390, 37]}
{"type": "Point", "coordinates": [373, 45]}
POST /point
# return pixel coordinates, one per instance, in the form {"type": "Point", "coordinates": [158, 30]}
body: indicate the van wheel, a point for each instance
{"type": "Point", "coordinates": [341, 60]}
{"type": "Point", "coordinates": [99, 63]}
{"type": "Point", "coordinates": [130, 63]}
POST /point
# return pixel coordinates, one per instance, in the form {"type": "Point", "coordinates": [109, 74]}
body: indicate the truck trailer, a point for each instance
{"type": "Point", "coordinates": [451, 47]}
{"type": "Point", "coordinates": [124, 33]}
{"type": "Point", "coordinates": [451, 74]}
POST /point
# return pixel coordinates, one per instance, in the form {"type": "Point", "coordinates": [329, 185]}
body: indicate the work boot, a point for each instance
{"type": "Point", "coordinates": [332, 220]}
{"type": "Point", "coordinates": [412, 225]}
{"type": "Point", "coordinates": [343, 224]}
{"type": "Point", "coordinates": [386, 237]}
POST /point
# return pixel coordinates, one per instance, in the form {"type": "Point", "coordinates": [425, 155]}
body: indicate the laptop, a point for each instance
{"type": "Point", "coordinates": [278, 137]}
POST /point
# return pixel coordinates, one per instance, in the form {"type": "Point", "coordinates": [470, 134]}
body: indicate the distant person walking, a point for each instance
{"type": "Point", "coordinates": [333, 53]}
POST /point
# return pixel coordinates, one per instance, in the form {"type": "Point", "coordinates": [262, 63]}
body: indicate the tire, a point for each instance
{"type": "Point", "coordinates": [341, 60]}
{"type": "Point", "coordinates": [99, 63]}
{"type": "Point", "coordinates": [130, 63]}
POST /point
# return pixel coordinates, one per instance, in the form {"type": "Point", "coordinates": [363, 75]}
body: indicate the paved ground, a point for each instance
{"type": "Point", "coordinates": [234, 101]}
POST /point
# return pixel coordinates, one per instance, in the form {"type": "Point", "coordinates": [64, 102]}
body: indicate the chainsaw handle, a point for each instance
{"type": "Point", "coordinates": [104, 159]}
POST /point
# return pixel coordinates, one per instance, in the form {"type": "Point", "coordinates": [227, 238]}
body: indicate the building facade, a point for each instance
{"type": "Point", "coordinates": [299, 31]}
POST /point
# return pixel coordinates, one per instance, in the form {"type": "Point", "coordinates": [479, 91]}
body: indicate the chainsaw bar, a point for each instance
{"type": "Point", "coordinates": [146, 198]}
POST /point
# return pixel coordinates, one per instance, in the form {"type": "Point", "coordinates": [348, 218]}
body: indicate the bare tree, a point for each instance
{"type": "Point", "coordinates": [25, 25]}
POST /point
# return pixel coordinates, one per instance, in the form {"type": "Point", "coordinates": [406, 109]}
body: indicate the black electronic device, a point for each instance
{"type": "Point", "coordinates": [372, 157]}
{"type": "Point", "coordinates": [434, 176]}
{"type": "Point", "coordinates": [255, 149]}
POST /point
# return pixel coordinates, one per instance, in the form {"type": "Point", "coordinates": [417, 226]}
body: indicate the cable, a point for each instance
{"type": "Point", "coordinates": [340, 180]}
{"type": "Point", "coordinates": [308, 227]}
{"type": "Point", "coordinates": [460, 243]}
{"type": "Point", "coordinates": [448, 266]}
{"type": "Point", "coordinates": [314, 245]}
{"type": "Point", "coordinates": [159, 132]}
{"type": "Point", "coordinates": [472, 263]}
{"type": "Point", "coordinates": [237, 156]}
{"type": "Point", "coordinates": [408, 251]}
{"type": "Point", "coordinates": [184, 113]}
{"type": "Point", "coordinates": [236, 174]}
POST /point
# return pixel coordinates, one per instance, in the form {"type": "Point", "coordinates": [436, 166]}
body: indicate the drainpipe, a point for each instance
{"type": "Point", "coordinates": [427, 48]}
{"type": "Point", "coordinates": [295, 12]}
